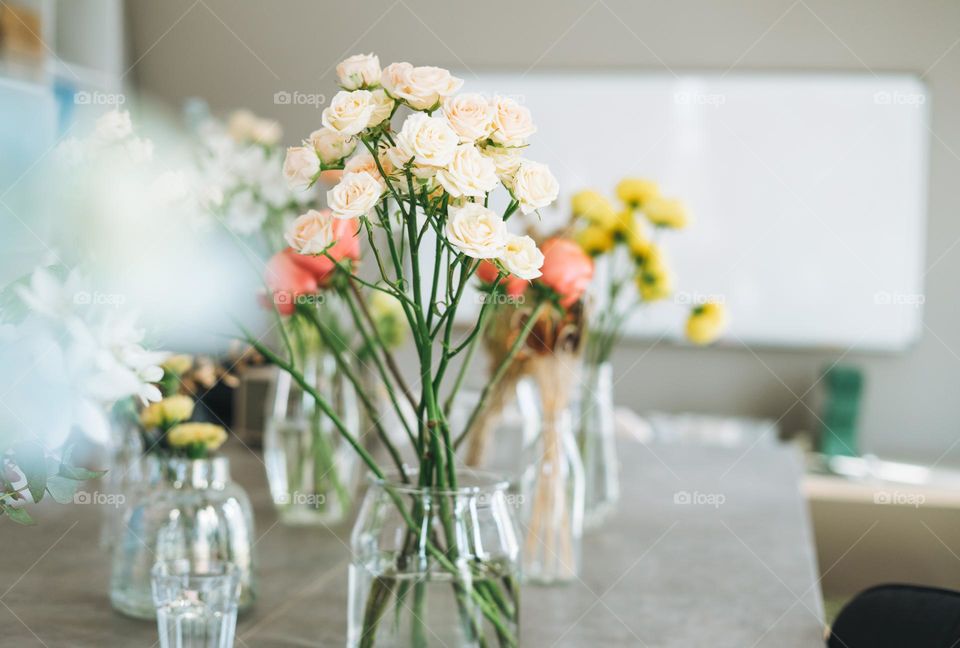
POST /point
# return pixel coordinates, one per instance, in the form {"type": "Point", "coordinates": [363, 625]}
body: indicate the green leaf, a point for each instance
{"type": "Point", "coordinates": [31, 460]}
{"type": "Point", "coordinates": [61, 489]}
{"type": "Point", "coordinates": [68, 470]}
{"type": "Point", "coordinates": [19, 515]}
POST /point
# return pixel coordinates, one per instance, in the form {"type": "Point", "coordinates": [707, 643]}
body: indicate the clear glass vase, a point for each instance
{"type": "Point", "coordinates": [435, 567]}
{"type": "Point", "coordinates": [193, 512]}
{"type": "Point", "coordinates": [552, 484]}
{"type": "Point", "coordinates": [596, 439]}
{"type": "Point", "coordinates": [126, 479]}
{"type": "Point", "coordinates": [312, 472]}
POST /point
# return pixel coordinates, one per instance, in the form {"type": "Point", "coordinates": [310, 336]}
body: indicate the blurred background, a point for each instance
{"type": "Point", "coordinates": [96, 54]}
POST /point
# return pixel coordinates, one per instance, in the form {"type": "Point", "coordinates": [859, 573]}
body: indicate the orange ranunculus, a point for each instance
{"type": "Point", "coordinates": [286, 281]}
{"type": "Point", "coordinates": [488, 273]}
{"type": "Point", "coordinates": [346, 247]}
{"type": "Point", "coordinates": [567, 269]}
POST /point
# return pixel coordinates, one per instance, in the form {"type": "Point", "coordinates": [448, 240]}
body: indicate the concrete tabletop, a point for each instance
{"type": "Point", "coordinates": [711, 547]}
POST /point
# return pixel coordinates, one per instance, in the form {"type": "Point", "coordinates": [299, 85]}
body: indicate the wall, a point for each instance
{"type": "Point", "coordinates": [240, 53]}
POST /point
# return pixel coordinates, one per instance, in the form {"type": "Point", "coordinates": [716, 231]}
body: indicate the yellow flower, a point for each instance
{"type": "Point", "coordinates": [167, 412]}
{"type": "Point", "coordinates": [178, 364]}
{"type": "Point", "coordinates": [706, 322]}
{"type": "Point", "coordinates": [635, 192]}
{"type": "Point", "coordinates": [595, 208]}
{"type": "Point", "coordinates": [664, 212]}
{"type": "Point", "coordinates": [388, 315]}
{"type": "Point", "coordinates": [654, 281]}
{"type": "Point", "coordinates": [208, 435]}
{"type": "Point", "coordinates": [595, 240]}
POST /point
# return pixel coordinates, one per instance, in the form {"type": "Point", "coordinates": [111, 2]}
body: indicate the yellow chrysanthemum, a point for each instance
{"type": "Point", "coordinates": [654, 281]}
{"type": "Point", "coordinates": [635, 192]}
{"type": "Point", "coordinates": [666, 212]}
{"type": "Point", "coordinates": [595, 240]}
{"type": "Point", "coordinates": [169, 411]}
{"type": "Point", "coordinates": [207, 435]}
{"type": "Point", "coordinates": [595, 208]}
{"type": "Point", "coordinates": [178, 364]}
{"type": "Point", "coordinates": [706, 322]}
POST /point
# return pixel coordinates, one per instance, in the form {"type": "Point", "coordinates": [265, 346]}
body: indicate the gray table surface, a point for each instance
{"type": "Point", "coordinates": [734, 567]}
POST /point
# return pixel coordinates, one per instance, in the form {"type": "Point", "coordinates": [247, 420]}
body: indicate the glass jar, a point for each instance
{"type": "Point", "coordinates": [126, 478]}
{"type": "Point", "coordinates": [435, 567]}
{"type": "Point", "coordinates": [596, 438]}
{"type": "Point", "coordinates": [194, 512]}
{"type": "Point", "coordinates": [312, 472]}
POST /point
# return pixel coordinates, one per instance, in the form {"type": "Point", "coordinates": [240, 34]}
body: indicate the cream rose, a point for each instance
{"type": "Point", "coordinates": [382, 106]}
{"type": "Point", "coordinates": [364, 162]}
{"type": "Point", "coordinates": [476, 231]}
{"type": "Point", "coordinates": [469, 173]}
{"type": "Point", "coordinates": [470, 115]}
{"type": "Point", "coordinates": [428, 141]}
{"type": "Point", "coordinates": [534, 186]}
{"type": "Point", "coordinates": [349, 112]}
{"type": "Point", "coordinates": [505, 160]}
{"type": "Point", "coordinates": [300, 167]}
{"type": "Point", "coordinates": [311, 233]}
{"type": "Point", "coordinates": [522, 258]}
{"type": "Point", "coordinates": [421, 88]}
{"type": "Point", "coordinates": [355, 195]}
{"type": "Point", "coordinates": [512, 123]}
{"type": "Point", "coordinates": [331, 146]}
{"type": "Point", "coordinates": [359, 71]}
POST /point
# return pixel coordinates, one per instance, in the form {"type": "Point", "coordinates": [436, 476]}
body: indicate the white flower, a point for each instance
{"type": "Point", "coordinates": [364, 162]}
{"type": "Point", "coordinates": [244, 126]}
{"type": "Point", "coordinates": [428, 141]}
{"type": "Point", "coordinates": [505, 160]}
{"type": "Point", "coordinates": [359, 71]}
{"type": "Point", "coordinates": [522, 258]}
{"type": "Point", "coordinates": [139, 149]}
{"type": "Point", "coordinates": [421, 88]}
{"type": "Point", "coordinates": [300, 166]}
{"type": "Point", "coordinates": [245, 214]}
{"type": "Point", "coordinates": [476, 231]}
{"type": "Point", "coordinates": [311, 233]}
{"type": "Point", "coordinates": [355, 195]}
{"type": "Point", "coordinates": [534, 186]}
{"type": "Point", "coordinates": [113, 126]}
{"type": "Point", "coordinates": [349, 112]}
{"type": "Point", "coordinates": [469, 173]}
{"type": "Point", "coordinates": [383, 106]}
{"type": "Point", "coordinates": [470, 115]}
{"type": "Point", "coordinates": [512, 123]}
{"type": "Point", "coordinates": [332, 146]}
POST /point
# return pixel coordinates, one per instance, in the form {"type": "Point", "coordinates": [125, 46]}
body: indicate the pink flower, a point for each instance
{"type": "Point", "coordinates": [347, 246]}
{"type": "Point", "coordinates": [566, 269]}
{"type": "Point", "coordinates": [487, 273]}
{"type": "Point", "coordinates": [286, 281]}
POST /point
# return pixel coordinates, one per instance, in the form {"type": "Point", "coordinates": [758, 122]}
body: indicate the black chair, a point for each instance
{"type": "Point", "coordinates": [899, 616]}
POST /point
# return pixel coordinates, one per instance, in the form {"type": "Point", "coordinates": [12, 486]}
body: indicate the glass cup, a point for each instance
{"type": "Point", "coordinates": [196, 603]}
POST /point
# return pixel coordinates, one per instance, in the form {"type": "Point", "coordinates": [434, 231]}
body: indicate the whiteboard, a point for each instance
{"type": "Point", "coordinates": [807, 192]}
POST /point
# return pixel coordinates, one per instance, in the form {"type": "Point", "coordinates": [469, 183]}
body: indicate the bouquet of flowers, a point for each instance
{"type": "Point", "coordinates": [416, 193]}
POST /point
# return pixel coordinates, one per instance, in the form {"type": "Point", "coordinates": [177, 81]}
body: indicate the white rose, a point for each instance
{"type": "Point", "coordinates": [359, 71]}
{"type": "Point", "coordinates": [331, 146]}
{"type": "Point", "coordinates": [469, 173]}
{"type": "Point", "coordinates": [349, 112]}
{"type": "Point", "coordinates": [534, 186]}
{"type": "Point", "coordinates": [382, 106]}
{"type": "Point", "coordinates": [505, 160]}
{"type": "Point", "coordinates": [421, 88]}
{"type": "Point", "coordinates": [476, 231]}
{"type": "Point", "coordinates": [522, 258]}
{"type": "Point", "coordinates": [428, 141]}
{"type": "Point", "coordinates": [300, 166]}
{"type": "Point", "coordinates": [470, 115]}
{"type": "Point", "coordinates": [114, 125]}
{"type": "Point", "coordinates": [355, 195]}
{"type": "Point", "coordinates": [311, 233]}
{"type": "Point", "coordinates": [512, 123]}
{"type": "Point", "coordinates": [364, 162]}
